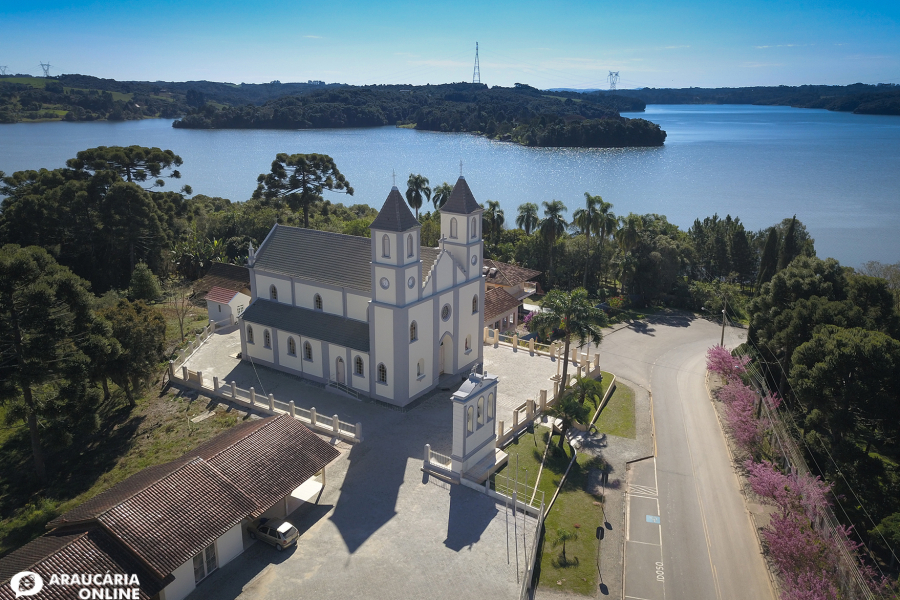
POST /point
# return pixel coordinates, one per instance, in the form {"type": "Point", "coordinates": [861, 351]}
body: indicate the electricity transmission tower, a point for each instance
{"type": "Point", "coordinates": [46, 68]}
{"type": "Point", "coordinates": [613, 80]}
{"type": "Point", "coordinates": [3, 69]}
{"type": "Point", "coordinates": [476, 74]}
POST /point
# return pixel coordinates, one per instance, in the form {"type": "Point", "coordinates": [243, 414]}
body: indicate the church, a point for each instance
{"type": "Point", "coordinates": [381, 317]}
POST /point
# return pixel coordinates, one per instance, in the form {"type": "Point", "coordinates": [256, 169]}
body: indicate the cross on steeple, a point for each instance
{"type": "Point", "coordinates": [394, 176]}
{"type": "Point", "coordinates": [460, 167]}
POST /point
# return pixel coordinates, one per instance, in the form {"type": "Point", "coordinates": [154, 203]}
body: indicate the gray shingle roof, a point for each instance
{"type": "Point", "coordinates": [310, 323]}
{"type": "Point", "coordinates": [323, 256]}
{"type": "Point", "coordinates": [395, 214]}
{"type": "Point", "coordinates": [461, 200]}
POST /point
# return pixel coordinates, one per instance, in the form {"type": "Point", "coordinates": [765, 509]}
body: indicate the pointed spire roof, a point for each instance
{"type": "Point", "coordinates": [461, 200]}
{"type": "Point", "coordinates": [395, 214]}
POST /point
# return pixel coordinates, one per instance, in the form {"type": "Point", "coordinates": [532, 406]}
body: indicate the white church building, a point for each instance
{"type": "Point", "coordinates": [382, 316]}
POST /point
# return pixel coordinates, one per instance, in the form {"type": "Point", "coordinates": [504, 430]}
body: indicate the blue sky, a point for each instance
{"type": "Point", "coordinates": [560, 44]}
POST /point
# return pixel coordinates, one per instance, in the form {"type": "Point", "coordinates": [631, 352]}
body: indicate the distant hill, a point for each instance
{"type": "Point", "coordinates": [859, 98]}
{"type": "Point", "coordinates": [521, 114]}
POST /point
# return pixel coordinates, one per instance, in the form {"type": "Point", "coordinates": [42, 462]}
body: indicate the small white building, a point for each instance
{"type": "Point", "coordinates": [225, 306]}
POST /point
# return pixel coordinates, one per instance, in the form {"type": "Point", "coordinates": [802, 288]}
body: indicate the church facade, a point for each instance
{"type": "Point", "coordinates": [382, 316]}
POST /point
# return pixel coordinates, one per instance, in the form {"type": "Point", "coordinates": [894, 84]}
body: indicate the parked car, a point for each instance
{"type": "Point", "coordinates": [280, 534]}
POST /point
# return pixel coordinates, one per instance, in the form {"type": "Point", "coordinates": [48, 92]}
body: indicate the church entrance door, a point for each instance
{"type": "Point", "coordinates": [339, 370]}
{"type": "Point", "coordinates": [445, 356]}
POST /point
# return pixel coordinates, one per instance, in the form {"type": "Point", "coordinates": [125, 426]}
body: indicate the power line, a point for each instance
{"type": "Point", "coordinates": [46, 68]}
{"type": "Point", "coordinates": [476, 75]}
{"type": "Point", "coordinates": [613, 78]}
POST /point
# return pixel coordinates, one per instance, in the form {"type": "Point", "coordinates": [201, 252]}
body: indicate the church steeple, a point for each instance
{"type": "Point", "coordinates": [394, 215]}
{"type": "Point", "coordinates": [461, 201]}
{"type": "Point", "coordinates": [461, 228]}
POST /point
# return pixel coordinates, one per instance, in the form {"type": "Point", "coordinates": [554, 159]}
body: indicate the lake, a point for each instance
{"type": "Point", "coordinates": [838, 172]}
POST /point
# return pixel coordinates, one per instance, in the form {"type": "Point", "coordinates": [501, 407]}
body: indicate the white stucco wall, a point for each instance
{"type": "Point", "coordinates": [357, 307]}
{"type": "Point", "coordinates": [285, 359]}
{"type": "Point", "coordinates": [314, 366]}
{"type": "Point", "coordinates": [423, 315]}
{"type": "Point", "coordinates": [257, 349]}
{"type": "Point", "coordinates": [332, 300]}
{"type": "Point", "coordinates": [442, 274]}
{"type": "Point", "coordinates": [469, 323]}
{"type": "Point", "coordinates": [388, 296]}
{"type": "Point", "coordinates": [230, 545]}
{"type": "Point", "coordinates": [360, 382]}
{"type": "Point", "coordinates": [183, 584]}
{"type": "Point", "coordinates": [411, 294]}
{"type": "Point", "coordinates": [446, 326]}
{"type": "Point", "coordinates": [264, 284]}
{"type": "Point", "coordinates": [333, 353]}
{"type": "Point", "coordinates": [384, 350]}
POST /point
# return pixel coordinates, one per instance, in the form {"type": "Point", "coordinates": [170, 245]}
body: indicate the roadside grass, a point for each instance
{"type": "Point", "coordinates": [575, 510]}
{"type": "Point", "coordinates": [618, 417]}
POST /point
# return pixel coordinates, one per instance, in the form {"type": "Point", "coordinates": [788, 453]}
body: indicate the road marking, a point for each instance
{"type": "Point", "coordinates": [643, 543]}
{"type": "Point", "coordinates": [653, 519]}
{"type": "Point", "coordinates": [644, 489]}
{"type": "Point", "coordinates": [644, 497]}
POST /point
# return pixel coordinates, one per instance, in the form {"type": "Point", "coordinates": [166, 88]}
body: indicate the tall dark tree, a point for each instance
{"type": "Point", "coordinates": [789, 250]}
{"type": "Point", "coordinates": [140, 330]}
{"type": "Point", "coordinates": [441, 194]}
{"type": "Point", "coordinates": [131, 221]}
{"type": "Point", "coordinates": [45, 321]}
{"type": "Point", "coordinates": [768, 262]}
{"type": "Point", "coordinates": [742, 258]}
{"type": "Point", "coordinates": [527, 220]}
{"type": "Point", "coordinates": [552, 227]}
{"type": "Point", "coordinates": [300, 179]}
{"type": "Point", "coordinates": [587, 220]}
{"type": "Point", "coordinates": [132, 163]}
{"type": "Point", "coordinates": [417, 191]}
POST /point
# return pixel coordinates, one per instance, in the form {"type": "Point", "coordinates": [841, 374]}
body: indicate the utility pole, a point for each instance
{"type": "Point", "coordinates": [724, 306]}
{"type": "Point", "coordinates": [613, 79]}
{"type": "Point", "coordinates": [46, 68]}
{"type": "Point", "coordinates": [476, 74]}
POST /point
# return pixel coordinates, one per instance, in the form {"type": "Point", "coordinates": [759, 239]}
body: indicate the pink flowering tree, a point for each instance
{"type": "Point", "coordinates": [740, 416]}
{"type": "Point", "coordinates": [720, 361]}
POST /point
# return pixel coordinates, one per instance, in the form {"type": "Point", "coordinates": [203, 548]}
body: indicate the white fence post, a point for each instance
{"type": "Point", "coordinates": [531, 346]}
{"type": "Point", "coordinates": [233, 391]}
{"type": "Point", "coordinates": [358, 432]}
{"type": "Point", "coordinates": [543, 400]}
{"type": "Point", "coordinates": [486, 335]}
{"type": "Point", "coordinates": [496, 338]}
{"type": "Point", "coordinates": [516, 342]}
{"type": "Point", "coordinates": [200, 377]}
{"type": "Point", "coordinates": [427, 453]}
{"type": "Point", "coordinates": [252, 397]}
{"type": "Point", "coordinates": [312, 415]}
{"type": "Point", "coordinates": [171, 370]}
{"type": "Point", "coordinates": [336, 424]}
{"type": "Point", "coordinates": [293, 409]}
{"type": "Point", "coordinates": [529, 408]}
{"type": "Point", "coordinates": [515, 419]}
{"type": "Point", "coordinates": [184, 373]}
{"type": "Point", "coordinates": [272, 402]}
{"type": "Point", "coordinates": [215, 384]}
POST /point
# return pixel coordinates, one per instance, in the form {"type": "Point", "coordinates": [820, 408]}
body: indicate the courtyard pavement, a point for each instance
{"type": "Point", "coordinates": [382, 528]}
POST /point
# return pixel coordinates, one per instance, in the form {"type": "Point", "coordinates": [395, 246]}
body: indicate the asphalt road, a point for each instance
{"type": "Point", "coordinates": [708, 547]}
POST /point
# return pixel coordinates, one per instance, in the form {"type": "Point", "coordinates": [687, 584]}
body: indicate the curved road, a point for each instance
{"type": "Point", "coordinates": [709, 549]}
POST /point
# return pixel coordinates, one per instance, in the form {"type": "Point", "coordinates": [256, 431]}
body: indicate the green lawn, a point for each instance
{"type": "Point", "coordinates": [575, 510]}
{"type": "Point", "coordinates": [618, 417]}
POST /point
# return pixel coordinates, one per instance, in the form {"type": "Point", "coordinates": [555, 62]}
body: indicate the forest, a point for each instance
{"type": "Point", "coordinates": [521, 114]}
{"type": "Point", "coordinates": [858, 98]}
{"type": "Point", "coordinates": [89, 250]}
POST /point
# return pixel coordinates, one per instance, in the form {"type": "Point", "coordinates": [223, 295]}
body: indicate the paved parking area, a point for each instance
{"type": "Point", "coordinates": [522, 376]}
{"type": "Point", "coordinates": [382, 529]}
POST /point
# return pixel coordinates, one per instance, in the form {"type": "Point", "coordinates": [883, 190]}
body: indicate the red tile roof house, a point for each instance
{"type": "Point", "coordinates": [173, 524]}
{"type": "Point", "coordinates": [226, 289]}
{"type": "Point", "coordinates": [507, 286]}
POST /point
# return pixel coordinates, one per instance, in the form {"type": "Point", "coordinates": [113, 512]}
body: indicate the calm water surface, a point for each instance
{"type": "Point", "coordinates": [840, 173]}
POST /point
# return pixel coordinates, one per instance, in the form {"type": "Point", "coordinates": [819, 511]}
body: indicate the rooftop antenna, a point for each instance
{"type": "Point", "coordinates": [3, 69]}
{"type": "Point", "coordinates": [46, 68]}
{"type": "Point", "coordinates": [476, 74]}
{"type": "Point", "coordinates": [613, 80]}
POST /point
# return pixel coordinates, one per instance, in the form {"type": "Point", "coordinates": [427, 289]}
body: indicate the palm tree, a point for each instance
{"type": "Point", "coordinates": [629, 233]}
{"type": "Point", "coordinates": [441, 194]}
{"type": "Point", "coordinates": [568, 410]}
{"type": "Point", "coordinates": [528, 217]}
{"type": "Point", "coordinates": [553, 226]}
{"type": "Point", "coordinates": [563, 536]}
{"type": "Point", "coordinates": [587, 221]}
{"type": "Point", "coordinates": [585, 387]}
{"type": "Point", "coordinates": [417, 187]}
{"type": "Point", "coordinates": [575, 316]}
{"type": "Point", "coordinates": [494, 219]}
{"type": "Point", "coordinates": [609, 224]}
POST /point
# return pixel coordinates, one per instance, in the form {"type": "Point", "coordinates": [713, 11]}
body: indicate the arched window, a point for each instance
{"type": "Point", "coordinates": [317, 302]}
{"type": "Point", "coordinates": [385, 246]}
{"type": "Point", "coordinates": [382, 373]}
{"type": "Point", "coordinates": [468, 342]}
{"type": "Point", "coordinates": [360, 367]}
{"type": "Point", "coordinates": [490, 406]}
{"type": "Point", "coordinates": [481, 411]}
{"type": "Point", "coordinates": [453, 227]}
{"type": "Point", "coordinates": [273, 293]}
{"type": "Point", "coordinates": [470, 419]}
{"type": "Point", "coordinates": [267, 338]}
{"type": "Point", "coordinates": [249, 334]}
{"type": "Point", "coordinates": [292, 347]}
{"type": "Point", "coordinates": [409, 246]}
{"type": "Point", "coordinates": [307, 351]}
{"type": "Point", "coordinates": [413, 332]}
{"type": "Point", "coordinates": [474, 304]}
{"type": "Point", "coordinates": [474, 228]}
{"type": "Point", "coordinates": [420, 367]}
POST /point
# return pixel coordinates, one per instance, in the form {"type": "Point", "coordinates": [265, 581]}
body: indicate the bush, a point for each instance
{"type": "Point", "coordinates": [144, 285]}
